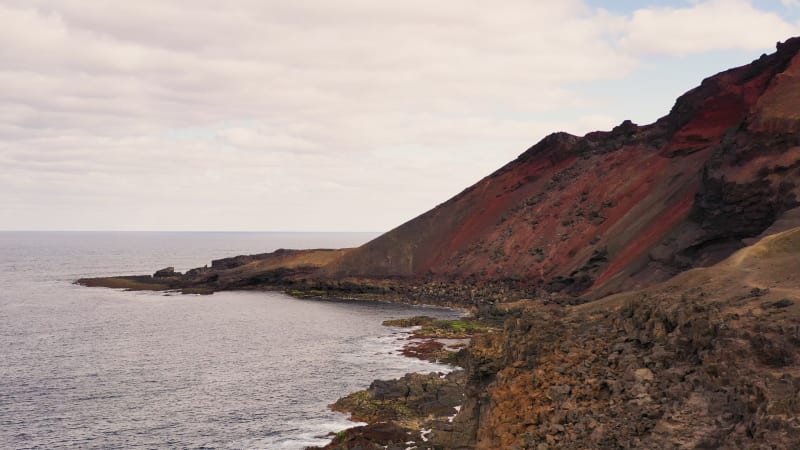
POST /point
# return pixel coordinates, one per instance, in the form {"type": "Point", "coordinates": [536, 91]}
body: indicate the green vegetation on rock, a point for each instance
{"type": "Point", "coordinates": [435, 328]}
{"type": "Point", "coordinates": [409, 321]}
{"type": "Point", "coordinates": [365, 407]}
{"type": "Point", "coordinates": [307, 293]}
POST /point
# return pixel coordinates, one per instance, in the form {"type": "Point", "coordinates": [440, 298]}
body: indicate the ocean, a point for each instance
{"type": "Point", "coordinates": [101, 368]}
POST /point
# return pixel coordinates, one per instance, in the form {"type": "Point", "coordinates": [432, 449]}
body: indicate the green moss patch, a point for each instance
{"type": "Point", "coordinates": [364, 407]}
{"type": "Point", "coordinates": [435, 328]}
{"type": "Point", "coordinates": [299, 293]}
{"type": "Point", "coordinates": [409, 321]}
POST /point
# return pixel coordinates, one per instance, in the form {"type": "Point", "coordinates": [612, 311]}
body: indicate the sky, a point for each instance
{"type": "Point", "coordinates": [313, 115]}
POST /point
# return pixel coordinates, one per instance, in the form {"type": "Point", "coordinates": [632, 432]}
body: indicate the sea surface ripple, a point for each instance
{"type": "Point", "coordinates": [101, 368]}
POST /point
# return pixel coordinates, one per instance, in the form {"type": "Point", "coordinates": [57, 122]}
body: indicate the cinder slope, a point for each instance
{"type": "Point", "coordinates": [620, 209]}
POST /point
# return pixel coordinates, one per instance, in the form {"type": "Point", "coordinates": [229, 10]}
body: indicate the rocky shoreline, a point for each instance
{"type": "Point", "coordinates": [413, 411]}
{"type": "Point", "coordinates": [261, 273]}
{"type": "Point", "coordinates": [411, 407]}
{"type": "Point", "coordinates": [708, 359]}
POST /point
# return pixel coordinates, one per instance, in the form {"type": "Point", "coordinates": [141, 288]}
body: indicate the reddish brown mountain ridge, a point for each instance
{"type": "Point", "coordinates": [619, 209]}
{"type": "Point", "coordinates": [592, 215]}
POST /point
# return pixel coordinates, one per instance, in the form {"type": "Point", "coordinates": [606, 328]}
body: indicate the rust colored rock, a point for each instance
{"type": "Point", "coordinates": [683, 192]}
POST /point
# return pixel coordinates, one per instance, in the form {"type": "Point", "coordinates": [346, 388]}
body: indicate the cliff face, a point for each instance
{"type": "Point", "coordinates": [621, 209]}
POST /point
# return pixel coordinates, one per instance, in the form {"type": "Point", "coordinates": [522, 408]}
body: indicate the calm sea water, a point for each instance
{"type": "Point", "coordinates": [100, 368]}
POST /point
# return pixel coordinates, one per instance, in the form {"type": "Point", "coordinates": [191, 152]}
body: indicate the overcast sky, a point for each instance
{"type": "Point", "coordinates": [325, 115]}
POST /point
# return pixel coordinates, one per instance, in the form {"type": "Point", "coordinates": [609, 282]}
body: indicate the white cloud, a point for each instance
{"type": "Point", "coordinates": [272, 115]}
{"type": "Point", "coordinates": [704, 26]}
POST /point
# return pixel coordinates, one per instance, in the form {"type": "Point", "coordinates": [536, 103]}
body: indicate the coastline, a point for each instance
{"type": "Point", "coordinates": [410, 412]}
{"type": "Point", "coordinates": [413, 411]}
{"type": "Point", "coordinates": [614, 372]}
{"type": "Point", "coordinates": [443, 388]}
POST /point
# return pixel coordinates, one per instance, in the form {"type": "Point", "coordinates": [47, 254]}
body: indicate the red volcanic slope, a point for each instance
{"type": "Point", "coordinates": [619, 209]}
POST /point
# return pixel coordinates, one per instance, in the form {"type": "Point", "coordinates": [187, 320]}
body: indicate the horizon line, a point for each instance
{"type": "Point", "coordinates": [185, 231]}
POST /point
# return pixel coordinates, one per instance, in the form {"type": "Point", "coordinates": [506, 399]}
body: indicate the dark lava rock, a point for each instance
{"type": "Point", "coordinates": [167, 272]}
{"type": "Point", "coordinates": [412, 397]}
{"type": "Point", "coordinates": [379, 436]}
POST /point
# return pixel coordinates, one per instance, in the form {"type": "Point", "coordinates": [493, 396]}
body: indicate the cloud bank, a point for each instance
{"type": "Point", "coordinates": [305, 115]}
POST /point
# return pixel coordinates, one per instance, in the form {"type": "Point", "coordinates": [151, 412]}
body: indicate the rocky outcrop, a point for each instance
{"type": "Point", "coordinates": [400, 413]}
{"type": "Point", "coordinates": [167, 272]}
{"type": "Point", "coordinates": [377, 436]}
{"type": "Point", "coordinates": [280, 270]}
{"type": "Point", "coordinates": [407, 400]}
